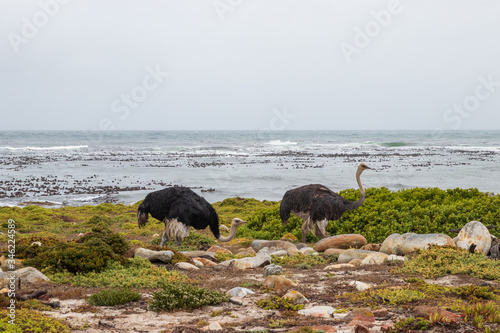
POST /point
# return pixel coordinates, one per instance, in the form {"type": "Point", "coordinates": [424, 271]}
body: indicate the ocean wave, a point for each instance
{"type": "Point", "coordinates": [44, 148]}
{"type": "Point", "coordinates": [281, 143]}
{"type": "Point", "coordinates": [394, 144]}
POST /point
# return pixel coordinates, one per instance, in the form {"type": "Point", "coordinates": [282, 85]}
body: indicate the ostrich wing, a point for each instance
{"type": "Point", "coordinates": [329, 206]}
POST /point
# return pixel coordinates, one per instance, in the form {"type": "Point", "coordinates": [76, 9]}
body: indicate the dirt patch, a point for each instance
{"type": "Point", "coordinates": [320, 286]}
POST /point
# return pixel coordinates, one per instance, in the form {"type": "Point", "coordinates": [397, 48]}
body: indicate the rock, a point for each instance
{"type": "Point", "coordinates": [261, 259]}
{"type": "Point", "coordinates": [340, 242]}
{"type": "Point", "coordinates": [198, 263]}
{"type": "Point", "coordinates": [280, 253]}
{"type": "Point", "coordinates": [351, 254]}
{"type": "Point", "coordinates": [360, 328]}
{"type": "Point", "coordinates": [216, 248]}
{"type": "Point", "coordinates": [360, 286]}
{"type": "Point", "coordinates": [7, 265]}
{"type": "Point", "coordinates": [336, 266]}
{"type": "Point", "coordinates": [424, 311]}
{"type": "Point", "coordinates": [360, 316]}
{"type": "Point", "coordinates": [277, 282]}
{"type": "Point", "coordinates": [318, 311]}
{"type": "Point", "coordinates": [476, 233]}
{"type": "Point", "coordinates": [4, 290]}
{"type": "Point", "coordinates": [301, 245]}
{"type": "Point", "coordinates": [164, 256]}
{"type": "Point", "coordinates": [272, 270]}
{"type": "Point", "coordinates": [30, 275]}
{"type": "Point", "coordinates": [205, 262]}
{"type": "Point", "coordinates": [416, 241]}
{"type": "Point", "coordinates": [374, 259]}
{"type": "Point", "coordinates": [355, 262]}
{"type": "Point", "coordinates": [246, 251]}
{"type": "Point", "coordinates": [307, 250]}
{"type": "Point", "coordinates": [4, 279]}
{"type": "Point", "coordinates": [239, 292]}
{"type": "Point", "coordinates": [289, 237]}
{"type": "Point", "coordinates": [390, 244]}
{"type": "Point", "coordinates": [380, 313]}
{"type": "Point", "coordinates": [214, 326]}
{"type": "Point", "coordinates": [292, 251]}
{"type": "Point", "coordinates": [296, 297]}
{"type": "Point", "coordinates": [333, 251]}
{"type": "Point", "coordinates": [187, 266]}
{"type": "Point", "coordinates": [236, 300]}
{"type": "Point", "coordinates": [194, 254]}
{"type": "Point", "coordinates": [371, 247]}
{"type": "Point", "coordinates": [395, 257]}
{"type": "Point", "coordinates": [274, 245]}
{"type": "Point", "coordinates": [408, 234]}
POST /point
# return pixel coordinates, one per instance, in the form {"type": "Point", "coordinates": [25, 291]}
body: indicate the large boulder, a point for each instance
{"type": "Point", "coordinates": [4, 279]}
{"type": "Point", "coordinates": [340, 242]}
{"type": "Point", "coordinates": [272, 270]}
{"type": "Point", "coordinates": [390, 244]}
{"type": "Point", "coordinates": [476, 233]}
{"type": "Point", "coordinates": [164, 256]}
{"type": "Point", "coordinates": [414, 242]}
{"type": "Point", "coordinates": [29, 275]}
{"type": "Point", "coordinates": [321, 311]}
{"type": "Point", "coordinates": [349, 255]}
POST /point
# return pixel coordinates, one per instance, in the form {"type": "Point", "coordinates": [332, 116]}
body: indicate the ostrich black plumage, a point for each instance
{"type": "Point", "coordinates": [180, 208]}
{"type": "Point", "coordinates": [316, 205]}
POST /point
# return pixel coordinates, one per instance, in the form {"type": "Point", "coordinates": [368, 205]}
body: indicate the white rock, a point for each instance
{"type": "Point", "coordinates": [476, 233]}
{"type": "Point", "coordinates": [262, 258]}
{"type": "Point", "coordinates": [390, 244]}
{"type": "Point", "coordinates": [239, 292]}
{"type": "Point", "coordinates": [351, 254]}
{"type": "Point", "coordinates": [198, 263]}
{"type": "Point", "coordinates": [164, 256]}
{"type": "Point", "coordinates": [374, 259]}
{"type": "Point", "coordinates": [360, 286]}
{"type": "Point", "coordinates": [296, 296]}
{"type": "Point", "coordinates": [214, 326]}
{"type": "Point", "coordinates": [418, 241]}
{"type": "Point", "coordinates": [335, 266]}
{"type": "Point", "coordinates": [395, 257]}
{"type": "Point", "coordinates": [318, 311]}
{"type": "Point", "coordinates": [408, 234]}
{"type": "Point", "coordinates": [306, 250]}
{"type": "Point", "coordinates": [280, 253]}
{"type": "Point", "coordinates": [187, 266]}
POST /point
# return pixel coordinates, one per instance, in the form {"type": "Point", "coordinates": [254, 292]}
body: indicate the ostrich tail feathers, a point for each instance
{"type": "Point", "coordinates": [175, 229]}
{"type": "Point", "coordinates": [142, 219]}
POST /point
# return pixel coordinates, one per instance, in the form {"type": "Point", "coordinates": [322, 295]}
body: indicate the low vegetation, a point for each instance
{"type": "Point", "coordinates": [185, 296]}
{"type": "Point", "coordinates": [113, 297]}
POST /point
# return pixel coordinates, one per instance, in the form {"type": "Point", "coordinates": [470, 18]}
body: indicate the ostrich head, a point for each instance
{"type": "Point", "coordinates": [237, 222]}
{"type": "Point", "coordinates": [362, 167]}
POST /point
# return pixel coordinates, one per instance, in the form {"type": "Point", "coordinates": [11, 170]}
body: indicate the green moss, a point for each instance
{"type": "Point", "coordinates": [299, 260]}
{"type": "Point", "coordinates": [278, 303]}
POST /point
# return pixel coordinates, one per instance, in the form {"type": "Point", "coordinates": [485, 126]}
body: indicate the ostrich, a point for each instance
{"type": "Point", "coordinates": [180, 208]}
{"type": "Point", "coordinates": [316, 205]}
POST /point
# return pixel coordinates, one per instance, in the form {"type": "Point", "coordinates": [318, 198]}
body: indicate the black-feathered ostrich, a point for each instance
{"type": "Point", "coordinates": [316, 205]}
{"type": "Point", "coordinates": [180, 208]}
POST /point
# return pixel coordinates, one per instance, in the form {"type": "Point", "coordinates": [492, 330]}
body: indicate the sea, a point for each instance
{"type": "Point", "coordinates": [73, 168]}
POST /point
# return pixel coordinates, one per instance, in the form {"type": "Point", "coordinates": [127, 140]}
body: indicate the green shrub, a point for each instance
{"type": "Point", "coordinates": [134, 273]}
{"type": "Point", "coordinates": [116, 241]}
{"type": "Point", "coordinates": [185, 296]}
{"type": "Point", "coordinates": [75, 258]}
{"type": "Point", "coordinates": [278, 303]}
{"type": "Point", "coordinates": [31, 321]}
{"type": "Point", "coordinates": [24, 249]}
{"type": "Point", "coordinates": [439, 261]}
{"type": "Point", "coordinates": [298, 260]}
{"type": "Point", "coordinates": [113, 297]}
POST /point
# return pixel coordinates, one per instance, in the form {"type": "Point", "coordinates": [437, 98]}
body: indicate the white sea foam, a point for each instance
{"type": "Point", "coordinates": [281, 143]}
{"type": "Point", "coordinates": [44, 148]}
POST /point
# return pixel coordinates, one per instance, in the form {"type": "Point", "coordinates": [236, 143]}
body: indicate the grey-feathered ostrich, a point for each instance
{"type": "Point", "coordinates": [316, 205]}
{"type": "Point", "coordinates": [180, 208]}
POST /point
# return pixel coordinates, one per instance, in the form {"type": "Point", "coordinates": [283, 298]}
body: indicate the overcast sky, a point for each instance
{"type": "Point", "coordinates": [249, 64]}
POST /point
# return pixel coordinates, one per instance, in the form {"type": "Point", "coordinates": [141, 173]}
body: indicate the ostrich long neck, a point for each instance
{"type": "Point", "coordinates": [360, 201]}
{"type": "Point", "coordinates": [232, 233]}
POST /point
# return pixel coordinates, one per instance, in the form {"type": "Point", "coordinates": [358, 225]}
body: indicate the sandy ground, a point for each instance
{"type": "Point", "coordinates": [318, 285]}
